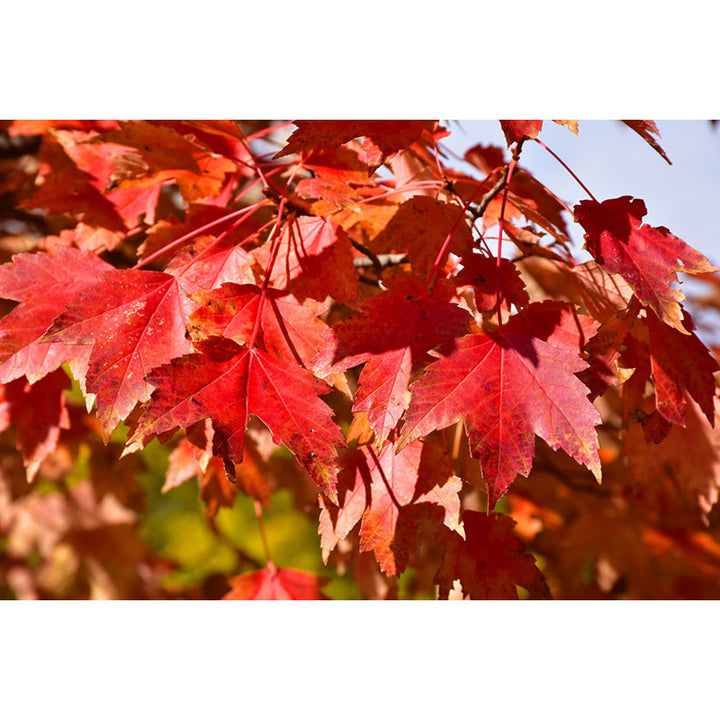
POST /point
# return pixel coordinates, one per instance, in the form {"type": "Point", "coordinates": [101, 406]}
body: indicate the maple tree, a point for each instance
{"type": "Point", "coordinates": [316, 359]}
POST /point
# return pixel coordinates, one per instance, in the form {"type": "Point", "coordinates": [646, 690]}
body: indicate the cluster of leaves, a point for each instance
{"type": "Point", "coordinates": [330, 313]}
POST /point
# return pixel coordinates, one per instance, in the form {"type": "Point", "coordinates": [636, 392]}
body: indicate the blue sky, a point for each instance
{"type": "Point", "coordinates": [612, 160]}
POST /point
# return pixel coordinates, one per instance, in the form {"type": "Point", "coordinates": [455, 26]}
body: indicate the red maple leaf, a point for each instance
{"type": "Point", "coordinates": [392, 486]}
{"type": "Point", "coordinates": [63, 187]}
{"type": "Point", "coordinates": [604, 348]}
{"type": "Point", "coordinates": [184, 462]}
{"type": "Point", "coordinates": [509, 386]}
{"type": "Point", "coordinates": [679, 364]}
{"type": "Point", "coordinates": [340, 194]}
{"type": "Point", "coordinates": [386, 136]}
{"type": "Point", "coordinates": [340, 164]}
{"type": "Point", "coordinates": [37, 412]}
{"type": "Point", "coordinates": [273, 583]}
{"type": "Point", "coordinates": [208, 263]}
{"type": "Point", "coordinates": [227, 383]}
{"type": "Point", "coordinates": [223, 137]}
{"type": "Point", "coordinates": [648, 258]}
{"type": "Point", "coordinates": [152, 153]}
{"type": "Point", "coordinates": [43, 283]}
{"type": "Point", "coordinates": [683, 463]}
{"type": "Point", "coordinates": [38, 127]}
{"type": "Point", "coordinates": [646, 129]}
{"type": "Point", "coordinates": [392, 336]}
{"type": "Point", "coordinates": [290, 329]}
{"type": "Point", "coordinates": [85, 237]}
{"type": "Point", "coordinates": [135, 321]}
{"type": "Point", "coordinates": [315, 259]}
{"type": "Point", "coordinates": [601, 293]}
{"type": "Point", "coordinates": [490, 561]}
{"type": "Point", "coordinates": [187, 461]}
{"type": "Point", "coordinates": [420, 227]}
{"type": "Point", "coordinates": [385, 491]}
{"type": "Point", "coordinates": [77, 178]}
{"type": "Point", "coordinates": [485, 157]}
{"type": "Point", "coordinates": [515, 130]}
{"type": "Point", "coordinates": [481, 272]}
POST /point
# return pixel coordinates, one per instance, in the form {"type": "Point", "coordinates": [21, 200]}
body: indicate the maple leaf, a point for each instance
{"type": "Point", "coordinates": [86, 237]}
{"type": "Point", "coordinates": [314, 260]}
{"type": "Point", "coordinates": [37, 412]}
{"type": "Point", "coordinates": [537, 203]}
{"type": "Point", "coordinates": [385, 491]}
{"type": "Point", "coordinates": [98, 160]}
{"type": "Point", "coordinates": [226, 383]}
{"type": "Point", "coordinates": [678, 363]}
{"type": "Point", "coordinates": [485, 158]}
{"type": "Point", "coordinates": [43, 283]}
{"type": "Point", "coordinates": [63, 187]}
{"type": "Point", "coordinates": [490, 562]}
{"type": "Point", "coordinates": [648, 258]}
{"type": "Point", "coordinates": [38, 127]}
{"type": "Point", "coordinates": [187, 461]}
{"type": "Point", "coordinates": [598, 291]}
{"type": "Point", "coordinates": [386, 136]}
{"type": "Point", "coordinates": [291, 330]}
{"type": "Point", "coordinates": [603, 351]}
{"type": "Point", "coordinates": [686, 461]}
{"type": "Point", "coordinates": [152, 154]}
{"type": "Point", "coordinates": [77, 179]}
{"type": "Point", "coordinates": [273, 583]}
{"type": "Point", "coordinates": [223, 137]}
{"type": "Point", "coordinates": [420, 227]}
{"type": "Point", "coordinates": [207, 264]}
{"type": "Point", "coordinates": [515, 130]}
{"type": "Point", "coordinates": [184, 462]}
{"type": "Point", "coordinates": [391, 335]}
{"type": "Point", "coordinates": [571, 125]}
{"type": "Point", "coordinates": [509, 386]}
{"type": "Point", "coordinates": [353, 482]}
{"type": "Point", "coordinates": [217, 488]}
{"type": "Point", "coordinates": [539, 207]}
{"type": "Point", "coordinates": [340, 164]}
{"type": "Point", "coordinates": [646, 129]}
{"type": "Point", "coordinates": [392, 486]}
{"type": "Point", "coordinates": [481, 272]}
{"type": "Point", "coordinates": [135, 321]}
{"type": "Point", "coordinates": [340, 194]}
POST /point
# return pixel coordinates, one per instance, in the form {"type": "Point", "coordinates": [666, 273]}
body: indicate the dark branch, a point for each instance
{"type": "Point", "coordinates": [381, 260]}
{"type": "Point", "coordinates": [485, 200]}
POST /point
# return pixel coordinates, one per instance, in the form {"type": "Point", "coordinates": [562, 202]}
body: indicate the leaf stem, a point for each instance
{"type": "Point", "coordinates": [254, 165]}
{"type": "Point", "coordinates": [436, 265]}
{"type": "Point", "coordinates": [498, 257]}
{"type": "Point", "coordinates": [419, 185]}
{"type": "Point", "coordinates": [199, 231]}
{"type": "Point", "coordinates": [274, 247]}
{"type": "Point", "coordinates": [266, 131]}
